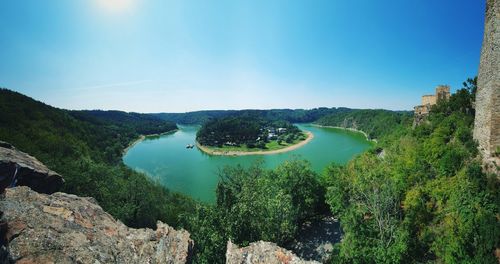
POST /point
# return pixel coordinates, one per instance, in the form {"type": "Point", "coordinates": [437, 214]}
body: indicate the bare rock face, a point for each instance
{"type": "Point", "coordinates": [64, 228]}
{"type": "Point", "coordinates": [19, 168]}
{"type": "Point", "coordinates": [487, 120]}
{"type": "Point", "coordinates": [261, 252]}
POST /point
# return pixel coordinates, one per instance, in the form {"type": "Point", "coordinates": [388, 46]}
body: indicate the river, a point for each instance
{"type": "Point", "coordinates": [167, 160]}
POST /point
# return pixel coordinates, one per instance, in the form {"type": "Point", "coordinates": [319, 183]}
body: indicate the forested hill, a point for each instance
{"type": "Point", "coordinates": [290, 115]}
{"type": "Point", "coordinates": [86, 149]}
{"type": "Point", "coordinates": [375, 123]}
{"type": "Point", "coordinates": [140, 123]}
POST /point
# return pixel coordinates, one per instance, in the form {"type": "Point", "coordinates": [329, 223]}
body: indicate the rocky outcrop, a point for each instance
{"type": "Point", "coordinates": [19, 168]}
{"type": "Point", "coordinates": [487, 119]}
{"type": "Point", "coordinates": [64, 228]}
{"type": "Point", "coordinates": [261, 252]}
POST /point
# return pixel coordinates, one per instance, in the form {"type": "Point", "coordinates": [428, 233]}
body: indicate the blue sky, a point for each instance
{"type": "Point", "coordinates": [176, 56]}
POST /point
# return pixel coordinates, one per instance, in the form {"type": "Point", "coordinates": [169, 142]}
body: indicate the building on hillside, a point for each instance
{"type": "Point", "coordinates": [421, 111]}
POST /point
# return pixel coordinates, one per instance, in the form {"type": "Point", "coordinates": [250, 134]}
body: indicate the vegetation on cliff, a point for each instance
{"type": "Point", "coordinates": [86, 149]}
{"type": "Point", "coordinates": [426, 200]}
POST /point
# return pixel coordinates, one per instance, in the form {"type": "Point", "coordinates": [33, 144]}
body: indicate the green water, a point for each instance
{"type": "Point", "coordinates": [194, 173]}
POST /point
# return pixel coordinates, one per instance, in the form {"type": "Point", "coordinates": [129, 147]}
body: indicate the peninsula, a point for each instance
{"type": "Point", "coordinates": [236, 136]}
{"type": "Point", "coordinates": [226, 151]}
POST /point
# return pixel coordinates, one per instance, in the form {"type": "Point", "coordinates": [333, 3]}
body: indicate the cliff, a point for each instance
{"type": "Point", "coordinates": [487, 119]}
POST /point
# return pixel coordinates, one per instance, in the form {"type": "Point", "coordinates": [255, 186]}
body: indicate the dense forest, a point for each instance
{"type": "Point", "coordinates": [246, 130]}
{"type": "Point", "coordinates": [290, 115]}
{"type": "Point", "coordinates": [374, 123]}
{"type": "Point", "coordinates": [86, 149]}
{"type": "Point", "coordinates": [426, 200]}
{"type": "Point", "coordinates": [140, 124]}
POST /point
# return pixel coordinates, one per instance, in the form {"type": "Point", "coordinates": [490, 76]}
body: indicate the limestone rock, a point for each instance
{"type": "Point", "coordinates": [64, 228]}
{"type": "Point", "coordinates": [261, 252]}
{"type": "Point", "coordinates": [487, 119]}
{"type": "Point", "coordinates": [19, 168]}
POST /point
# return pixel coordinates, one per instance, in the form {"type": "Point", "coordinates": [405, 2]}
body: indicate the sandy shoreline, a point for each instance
{"type": "Point", "coordinates": [350, 129]}
{"type": "Point", "coordinates": [142, 137]}
{"type": "Point", "coordinates": [209, 151]}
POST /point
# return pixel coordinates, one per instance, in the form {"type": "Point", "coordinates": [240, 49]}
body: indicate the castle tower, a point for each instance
{"type": "Point", "coordinates": [487, 120]}
{"type": "Point", "coordinates": [442, 92]}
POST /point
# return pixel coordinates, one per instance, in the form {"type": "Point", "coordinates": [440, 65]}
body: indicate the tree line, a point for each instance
{"type": "Point", "coordinates": [290, 115]}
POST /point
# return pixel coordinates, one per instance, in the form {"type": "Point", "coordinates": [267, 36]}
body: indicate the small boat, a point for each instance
{"type": "Point", "coordinates": [189, 146]}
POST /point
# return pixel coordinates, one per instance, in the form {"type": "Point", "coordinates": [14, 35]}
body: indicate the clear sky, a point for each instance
{"type": "Point", "coordinates": [176, 56]}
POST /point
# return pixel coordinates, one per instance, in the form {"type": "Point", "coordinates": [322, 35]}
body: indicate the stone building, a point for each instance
{"type": "Point", "coordinates": [421, 111]}
{"type": "Point", "coordinates": [487, 119]}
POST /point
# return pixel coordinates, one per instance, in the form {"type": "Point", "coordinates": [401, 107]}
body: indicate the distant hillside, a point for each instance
{"type": "Point", "coordinates": [139, 123]}
{"type": "Point", "coordinates": [374, 123]}
{"type": "Point", "coordinates": [290, 115]}
{"type": "Point", "coordinates": [86, 148]}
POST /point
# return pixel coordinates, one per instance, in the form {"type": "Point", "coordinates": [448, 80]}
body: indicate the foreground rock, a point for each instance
{"type": "Point", "coordinates": [261, 252]}
{"type": "Point", "coordinates": [64, 228]}
{"type": "Point", "coordinates": [19, 168]}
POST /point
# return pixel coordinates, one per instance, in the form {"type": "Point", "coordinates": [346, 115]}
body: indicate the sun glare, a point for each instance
{"type": "Point", "coordinates": [115, 6]}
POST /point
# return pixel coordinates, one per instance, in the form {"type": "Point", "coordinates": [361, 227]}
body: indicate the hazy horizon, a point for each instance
{"type": "Point", "coordinates": [182, 56]}
{"type": "Point", "coordinates": [201, 110]}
